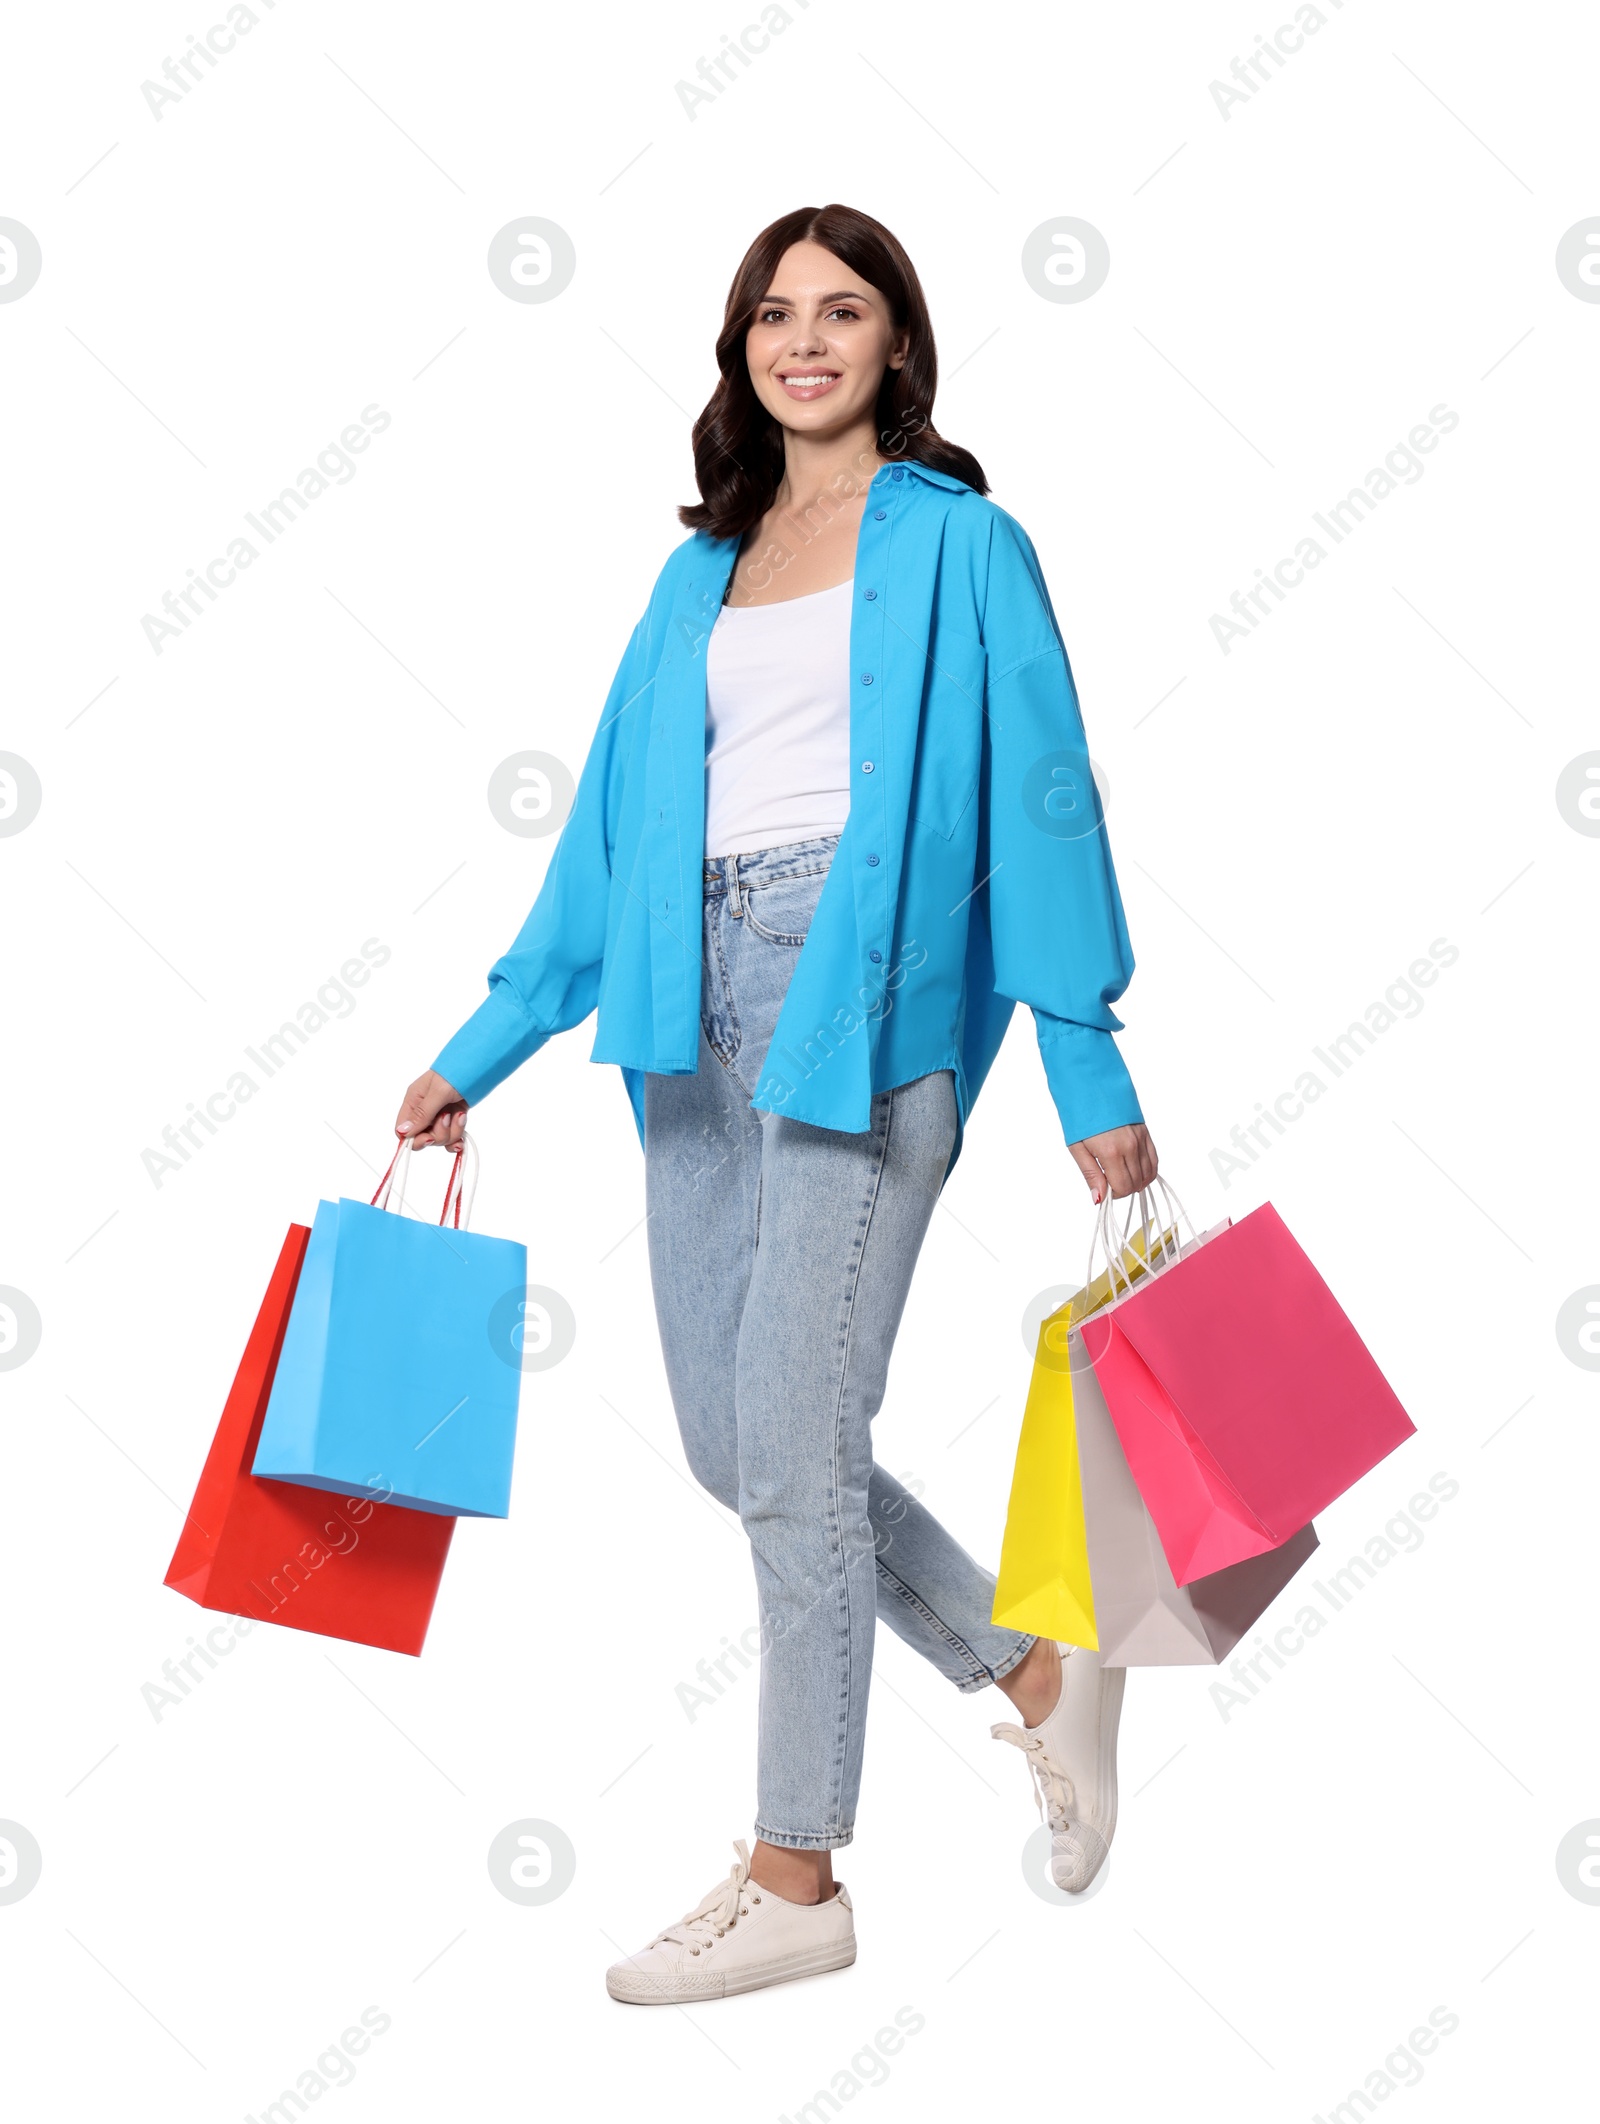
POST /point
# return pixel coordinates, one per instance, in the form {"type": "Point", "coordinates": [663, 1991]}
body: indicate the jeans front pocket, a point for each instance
{"type": "Point", "coordinates": [781, 911]}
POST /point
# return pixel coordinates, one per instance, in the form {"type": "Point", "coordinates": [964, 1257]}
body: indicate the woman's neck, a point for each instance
{"type": "Point", "coordinates": [833, 464]}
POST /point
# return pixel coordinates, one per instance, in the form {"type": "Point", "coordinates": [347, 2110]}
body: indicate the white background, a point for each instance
{"type": "Point", "coordinates": [1371, 234]}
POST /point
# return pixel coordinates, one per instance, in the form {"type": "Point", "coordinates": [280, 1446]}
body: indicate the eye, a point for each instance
{"type": "Point", "coordinates": [767, 316]}
{"type": "Point", "coordinates": [843, 310]}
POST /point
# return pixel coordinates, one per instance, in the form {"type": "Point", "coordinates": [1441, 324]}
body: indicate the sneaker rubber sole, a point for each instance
{"type": "Point", "coordinates": [634, 1988]}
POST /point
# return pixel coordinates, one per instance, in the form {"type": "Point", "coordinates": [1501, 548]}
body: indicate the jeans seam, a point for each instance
{"type": "Point", "coordinates": [727, 1060]}
{"type": "Point", "coordinates": [980, 1674]}
{"type": "Point", "coordinates": [805, 1839]}
{"type": "Point", "coordinates": [869, 1208]}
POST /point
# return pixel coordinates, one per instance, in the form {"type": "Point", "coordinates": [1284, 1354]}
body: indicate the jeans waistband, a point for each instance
{"type": "Point", "coordinates": [765, 866]}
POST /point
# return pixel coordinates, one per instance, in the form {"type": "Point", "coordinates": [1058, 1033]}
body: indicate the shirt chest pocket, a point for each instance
{"type": "Point", "coordinates": [949, 737]}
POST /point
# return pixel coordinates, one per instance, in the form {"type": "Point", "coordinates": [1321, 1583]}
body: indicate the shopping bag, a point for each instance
{"type": "Point", "coordinates": [1043, 1583]}
{"type": "Point", "coordinates": [1077, 1519]}
{"type": "Point", "coordinates": [1244, 1399]}
{"type": "Point", "coordinates": [1144, 1618]}
{"type": "Point", "coordinates": [396, 1380]}
{"type": "Point", "coordinates": [343, 1567]}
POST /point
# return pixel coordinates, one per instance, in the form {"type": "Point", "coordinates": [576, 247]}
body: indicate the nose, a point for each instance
{"type": "Point", "coordinates": [806, 340]}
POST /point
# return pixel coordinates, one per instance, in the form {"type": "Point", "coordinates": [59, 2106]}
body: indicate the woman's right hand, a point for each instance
{"type": "Point", "coordinates": [432, 1111]}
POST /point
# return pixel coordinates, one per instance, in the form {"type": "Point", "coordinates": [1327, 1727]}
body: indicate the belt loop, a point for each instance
{"type": "Point", "coordinates": [733, 888]}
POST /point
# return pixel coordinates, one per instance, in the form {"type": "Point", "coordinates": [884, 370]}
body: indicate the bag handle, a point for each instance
{"type": "Point", "coordinates": [1159, 1235]}
{"type": "Point", "coordinates": [463, 1180]}
{"type": "Point", "coordinates": [1106, 1241]}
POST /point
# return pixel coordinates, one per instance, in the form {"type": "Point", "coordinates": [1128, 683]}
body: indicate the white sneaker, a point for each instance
{"type": "Point", "coordinates": [739, 1938]}
{"type": "Point", "coordinates": [1073, 1757]}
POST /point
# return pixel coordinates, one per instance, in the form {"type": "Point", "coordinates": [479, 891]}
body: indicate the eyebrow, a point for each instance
{"type": "Point", "coordinates": [839, 295]}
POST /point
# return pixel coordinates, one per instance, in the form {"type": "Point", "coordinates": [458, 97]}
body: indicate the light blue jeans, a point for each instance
{"type": "Point", "coordinates": [781, 1255]}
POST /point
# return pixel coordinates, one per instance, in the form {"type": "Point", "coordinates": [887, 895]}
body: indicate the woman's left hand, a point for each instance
{"type": "Point", "coordinates": [1123, 1158]}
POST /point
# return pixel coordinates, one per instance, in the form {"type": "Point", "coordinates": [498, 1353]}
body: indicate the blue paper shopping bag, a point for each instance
{"type": "Point", "coordinates": [397, 1379]}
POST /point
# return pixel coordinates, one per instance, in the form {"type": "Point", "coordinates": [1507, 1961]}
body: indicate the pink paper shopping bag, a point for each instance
{"type": "Point", "coordinates": [1244, 1399]}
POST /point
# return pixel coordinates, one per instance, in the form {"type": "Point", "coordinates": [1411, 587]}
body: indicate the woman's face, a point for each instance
{"type": "Point", "coordinates": [819, 344]}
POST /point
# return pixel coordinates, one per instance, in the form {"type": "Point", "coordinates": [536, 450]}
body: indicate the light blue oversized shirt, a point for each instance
{"type": "Point", "coordinates": [973, 873]}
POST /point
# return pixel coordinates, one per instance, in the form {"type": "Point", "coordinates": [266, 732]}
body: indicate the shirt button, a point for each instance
{"type": "Point", "coordinates": [880, 514]}
{"type": "Point", "coordinates": [873, 861]}
{"type": "Point", "coordinates": [899, 472]}
{"type": "Point", "coordinates": [875, 956]}
{"type": "Point", "coordinates": [866, 766]}
{"type": "Point", "coordinates": [869, 594]}
{"type": "Point", "coordinates": [866, 678]}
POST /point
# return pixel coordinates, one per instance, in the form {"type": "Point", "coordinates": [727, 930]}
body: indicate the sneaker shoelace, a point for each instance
{"type": "Point", "coordinates": [1053, 1793]}
{"type": "Point", "coordinates": [699, 1929]}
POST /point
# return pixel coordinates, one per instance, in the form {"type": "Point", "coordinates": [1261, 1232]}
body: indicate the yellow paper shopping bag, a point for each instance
{"type": "Point", "coordinates": [1044, 1585]}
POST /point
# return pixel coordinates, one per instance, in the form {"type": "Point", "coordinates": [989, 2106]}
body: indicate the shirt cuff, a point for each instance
{"type": "Point", "coordinates": [1088, 1080]}
{"type": "Point", "coordinates": [495, 1040]}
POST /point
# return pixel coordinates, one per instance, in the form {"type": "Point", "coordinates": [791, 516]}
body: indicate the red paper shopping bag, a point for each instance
{"type": "Point", "coordinates": [342, 1566]}
{"type": "Point", "coordinates": [1244, 1399]}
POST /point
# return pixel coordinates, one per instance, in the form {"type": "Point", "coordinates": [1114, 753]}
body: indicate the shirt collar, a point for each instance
{"type": "Point", "coordinates": [936, 479]}
{"type": "Point", "coordinates": [947, 480]}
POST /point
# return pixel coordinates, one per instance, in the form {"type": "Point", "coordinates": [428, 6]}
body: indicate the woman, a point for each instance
{"type": "Point", "coordinates": [836, 822]}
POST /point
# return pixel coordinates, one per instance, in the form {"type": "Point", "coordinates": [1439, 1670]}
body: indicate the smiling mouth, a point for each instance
{"type": "Point", "coordinates": [807, 384]}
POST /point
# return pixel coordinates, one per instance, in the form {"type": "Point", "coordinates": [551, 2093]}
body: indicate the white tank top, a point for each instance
{"type": "Point", "coordinates": [778, 722]}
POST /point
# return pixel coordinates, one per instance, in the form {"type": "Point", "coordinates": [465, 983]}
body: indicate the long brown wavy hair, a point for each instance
{"type": "Point", "coordinates": [738, 445]}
